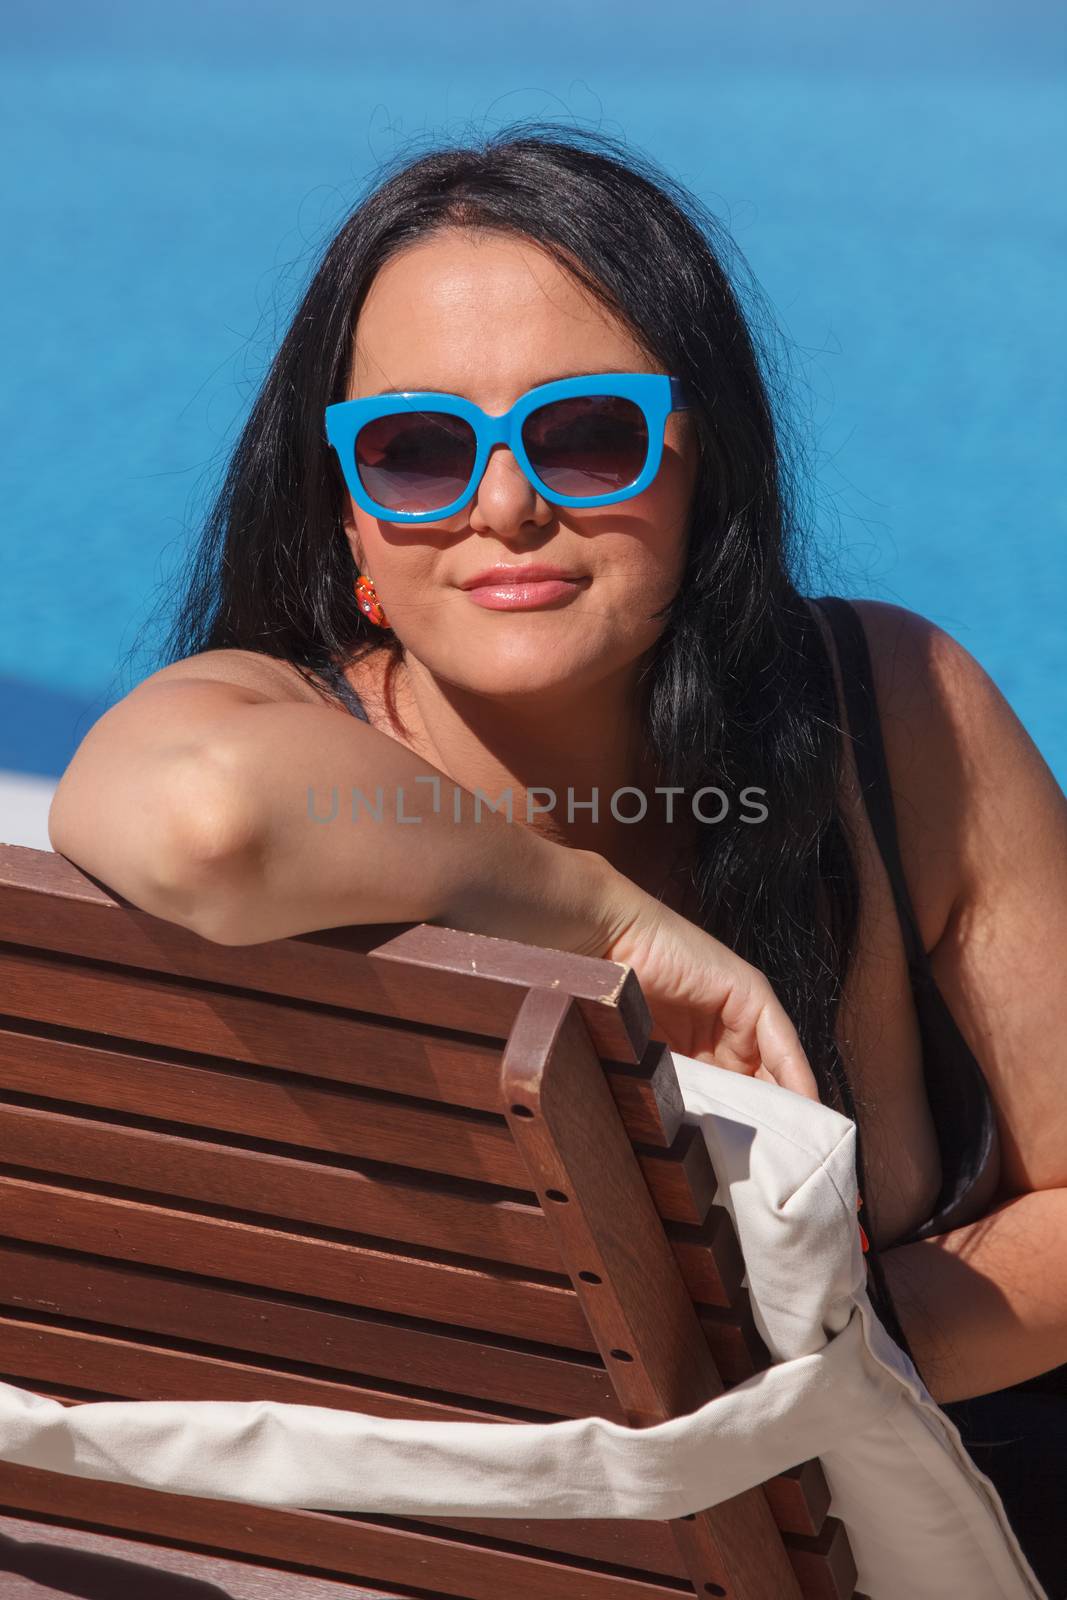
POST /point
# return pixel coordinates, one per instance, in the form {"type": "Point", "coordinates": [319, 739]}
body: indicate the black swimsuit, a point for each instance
{"type": "Point", "coordinates": [1016, 1436]}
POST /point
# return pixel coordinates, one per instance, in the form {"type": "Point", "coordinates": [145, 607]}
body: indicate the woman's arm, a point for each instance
{"type": "Point", "coordinates": [207, 798]}
{"type": "Point", "coordinates": [214, 803]}
{"type": "Point", "coordinates": [985, 1306]}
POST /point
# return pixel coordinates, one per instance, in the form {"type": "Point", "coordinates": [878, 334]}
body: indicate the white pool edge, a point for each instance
{"type": "Point", "coordinates": [24, 802]}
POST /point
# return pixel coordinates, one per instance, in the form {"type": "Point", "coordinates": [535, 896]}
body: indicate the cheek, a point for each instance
{"type": "Point", "coordinates": [406, 573]}
{"type": "Point", "coordinates": [661, 547]}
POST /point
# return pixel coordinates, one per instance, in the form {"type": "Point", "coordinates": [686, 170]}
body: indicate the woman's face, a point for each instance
{"type": "Point", "coordinates": [488, 316]}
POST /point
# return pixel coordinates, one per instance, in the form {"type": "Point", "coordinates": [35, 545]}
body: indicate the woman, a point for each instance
{"type": "Point", "coordinates": [693, 751]}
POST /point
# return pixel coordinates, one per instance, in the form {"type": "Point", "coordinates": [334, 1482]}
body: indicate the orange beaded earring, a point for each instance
{"type": "Point", "coordinates": [369, 603]}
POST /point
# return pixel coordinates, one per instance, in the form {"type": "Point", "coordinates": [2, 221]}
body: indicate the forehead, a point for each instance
{"type": "Point", "coordinates": [486, 314]}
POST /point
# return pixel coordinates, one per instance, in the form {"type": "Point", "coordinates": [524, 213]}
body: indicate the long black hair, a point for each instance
{"type": "Point", "coordinates": [739, 688]}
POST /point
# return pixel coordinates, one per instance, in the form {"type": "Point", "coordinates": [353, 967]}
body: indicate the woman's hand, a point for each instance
{"type": "Point", "coordinates": [706, 1002]}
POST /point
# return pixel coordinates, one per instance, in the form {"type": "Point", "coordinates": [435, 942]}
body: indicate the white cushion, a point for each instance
{"type": "Point", "coordinates": [922, 1520]}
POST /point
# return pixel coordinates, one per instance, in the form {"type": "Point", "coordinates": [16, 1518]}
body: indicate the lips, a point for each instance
{"type": "Point", "coordinates": [523, 593]}
{"type": "Point", "coordinates": [503, 576]}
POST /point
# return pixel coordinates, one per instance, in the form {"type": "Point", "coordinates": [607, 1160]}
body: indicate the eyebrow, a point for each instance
{"type": "Point", "coordinates": [415, 388]}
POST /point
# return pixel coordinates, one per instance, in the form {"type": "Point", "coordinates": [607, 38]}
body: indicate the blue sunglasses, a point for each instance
{"type": "Point", "coordinates": [588, 441]}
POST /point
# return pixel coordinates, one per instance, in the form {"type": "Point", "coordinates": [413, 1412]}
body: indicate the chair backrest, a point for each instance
{"type": "Point", "coordinates": [397, 1170]}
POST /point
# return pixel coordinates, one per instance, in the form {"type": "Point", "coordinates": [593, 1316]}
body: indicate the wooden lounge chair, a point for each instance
{"type": "Point", "coordinates": [376, 1169]}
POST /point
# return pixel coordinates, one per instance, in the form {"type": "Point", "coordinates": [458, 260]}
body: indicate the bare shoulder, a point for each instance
{"type": "Point", "coordinates": [928, 684]}
{"type": "Point", "coordinates": [176, 708]}
{"type": "Point", "coordinates": [259, 677]}
{"type": "Point", "coordinates": [173, 711]}
{"type": "Point", "coordinates": [966, 776]}
{"type": "Point", "coordinates": [960, 761]}
{"type": "Point", "coordinates": [918, 664]}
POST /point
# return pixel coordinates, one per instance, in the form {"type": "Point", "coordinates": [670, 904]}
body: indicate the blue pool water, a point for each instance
{"type": "Point", "coordinates": [893, 176]}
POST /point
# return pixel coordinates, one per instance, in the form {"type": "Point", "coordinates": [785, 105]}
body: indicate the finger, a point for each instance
{"type": "Point", "coordinates": [782, 1053]}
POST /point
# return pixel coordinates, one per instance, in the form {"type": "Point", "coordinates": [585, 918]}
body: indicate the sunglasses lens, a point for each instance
{"type": "Point", "coordinates": [415, 460]}
{"type": "Point", "coordinates": [590, 445]}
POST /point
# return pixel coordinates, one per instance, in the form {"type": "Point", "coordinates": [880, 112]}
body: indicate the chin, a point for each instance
{"type": "Point", "coordinates": [534, 684]}
{"type": "Point", "coordinates": [531, 679]}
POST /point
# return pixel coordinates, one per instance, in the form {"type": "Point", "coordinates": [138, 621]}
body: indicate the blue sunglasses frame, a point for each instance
{"type": "Point", "coordinates": [656, 393]}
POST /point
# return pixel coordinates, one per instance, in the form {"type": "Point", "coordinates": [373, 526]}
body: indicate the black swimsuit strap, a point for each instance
{"type": "Point", "coordinates": [861, 708]}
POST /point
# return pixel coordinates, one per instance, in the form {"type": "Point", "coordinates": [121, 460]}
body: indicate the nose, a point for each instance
{"type": "Point", "coordinates": [506, 501]}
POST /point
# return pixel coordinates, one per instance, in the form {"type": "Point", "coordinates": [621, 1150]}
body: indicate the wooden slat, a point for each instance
{"type": "Point", "coordinates": [45, 901]}
{"type": "Point", "coordinates": [41, 1561]}
{"type": "Point", "coordinates": [230, 1025]}
{"type": "Point", "coordinates": [649, 1096]}
{"type": "Point", "coordinates": [95, 1365]}
{"type": "Point", "coordinates": [825, 1564]}
{"type": "Point", "coordinates": [486, 1295]}
{"type": "Point", "coordinates": [621, 1542]}
{"type": "Point", "coordinates": [499, 973]}
{"type": "Point", "coordinates": [67, 1392]}
{"type": "Point", "coordinates": [329, 1118]}
{"type": "Point", "coordinates": [399, 1351]}
{"type": "Point", "coordinates": [821, 1565]}
{"type": "Point", "coordinates": [681, 1181]}
{"type": "Point", "coordinates": [709, 1257]}
{"type": "Point", "coordinates": [799, 1498]}
{"type": "Point", "coordinates": [163, 1072]}
{"type": "Point", "coordinates": [377, 1200]}
{"type": "Point", "coordinates": [734, 1340]}
{"type": "Point", "coordinates": [301, 1189]}
{"type": "Point", "coordinates": [382, 1550]}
